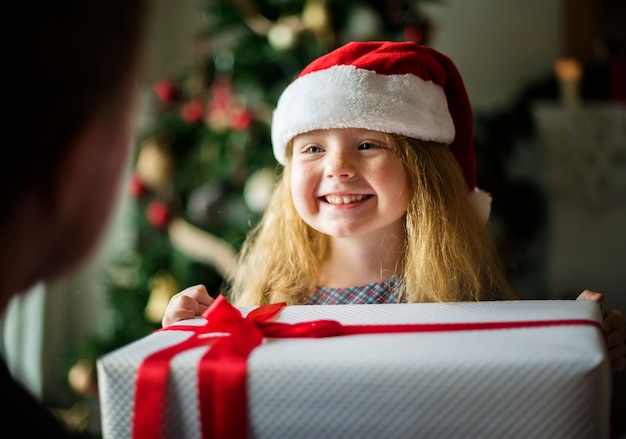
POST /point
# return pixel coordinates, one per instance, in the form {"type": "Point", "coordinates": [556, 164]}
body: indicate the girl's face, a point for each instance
{"type": "Point", "coordinates": [348, 182]}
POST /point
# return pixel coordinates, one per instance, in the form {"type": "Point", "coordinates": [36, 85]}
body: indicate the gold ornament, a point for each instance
{"type": "Point", "coordinates": [82, 378]}
{"type": "Point", "coordinates": [282, 35]}
{"type": "Point", "coordinates": [154, 165]}
{"type": "Point", "coordinates": [76, 418]}
{"type": "Point", "coordinates": [162, 288]}
{"type": "Point", "coordinates": [315, 16]}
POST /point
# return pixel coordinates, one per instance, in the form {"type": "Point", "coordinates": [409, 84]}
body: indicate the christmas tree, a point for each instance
{"type": "Point", "coordinates": [204, 171]}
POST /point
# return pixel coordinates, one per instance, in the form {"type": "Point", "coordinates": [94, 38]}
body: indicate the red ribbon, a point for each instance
{"type": "Point", "coordinates": [222, 372]}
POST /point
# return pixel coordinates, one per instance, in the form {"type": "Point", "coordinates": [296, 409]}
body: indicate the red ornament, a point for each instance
{"type": "Point", "coordinates": [136, 187]}
{"type": "Point", "coordinates": [191, 111]}
{"type": "Point", "coordinates": [166, 90]}
{"type": "Point", "coordinates": [221, 95]}
{"type": "Point", "coordinates": [240, 119]}
{"type": "Point", "coordinates": [158, 214]}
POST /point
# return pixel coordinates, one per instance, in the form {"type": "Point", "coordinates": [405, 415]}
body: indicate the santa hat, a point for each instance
{"type": "Point", "coordinates": [393, 87]}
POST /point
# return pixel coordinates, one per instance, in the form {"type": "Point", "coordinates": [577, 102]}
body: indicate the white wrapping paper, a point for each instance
{"type": "Point", "coordinates": [545, 382]}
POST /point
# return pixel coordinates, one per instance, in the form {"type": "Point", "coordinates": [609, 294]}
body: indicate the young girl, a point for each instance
{"type": "Point", "coordinates": [377, 202]}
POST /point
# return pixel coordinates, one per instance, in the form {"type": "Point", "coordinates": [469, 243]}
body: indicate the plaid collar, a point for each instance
{"type": "Point", "coordinates": [385, 291]}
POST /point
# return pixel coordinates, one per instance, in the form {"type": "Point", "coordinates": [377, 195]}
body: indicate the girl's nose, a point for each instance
{"type": "Point", "coordinates": [339, 165]}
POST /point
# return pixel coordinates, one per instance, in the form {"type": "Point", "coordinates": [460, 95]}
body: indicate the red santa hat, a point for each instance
{"type": "Point", "coordinates": [393, 87]}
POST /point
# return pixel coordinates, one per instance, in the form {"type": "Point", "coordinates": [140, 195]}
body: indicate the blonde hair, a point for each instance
{"type": "Point", "coordinates": [449, 251]}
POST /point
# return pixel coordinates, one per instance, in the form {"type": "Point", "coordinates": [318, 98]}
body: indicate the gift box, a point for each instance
{"type": "Point", "coordinates": [514, 369]}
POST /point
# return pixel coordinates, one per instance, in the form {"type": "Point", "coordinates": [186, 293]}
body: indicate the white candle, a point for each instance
{"type": "Point", "coordinates": [568, 72]}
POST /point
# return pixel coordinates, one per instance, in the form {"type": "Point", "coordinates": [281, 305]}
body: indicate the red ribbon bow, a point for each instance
{"type": "Point", "coordinates": [222, 371]}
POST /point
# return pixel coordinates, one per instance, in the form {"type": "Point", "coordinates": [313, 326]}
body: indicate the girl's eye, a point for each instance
{"type": "Point", "coordinates": [312, 149]}
{"type": "Point", "coordinates": [367, 145]}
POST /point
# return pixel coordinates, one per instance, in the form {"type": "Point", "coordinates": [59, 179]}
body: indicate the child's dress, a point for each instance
{"type": "Point", "coordinates": [385, 291]}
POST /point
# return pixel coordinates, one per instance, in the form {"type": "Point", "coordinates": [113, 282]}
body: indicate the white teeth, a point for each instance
{"type": "Point", "coordinates": [344, 199]}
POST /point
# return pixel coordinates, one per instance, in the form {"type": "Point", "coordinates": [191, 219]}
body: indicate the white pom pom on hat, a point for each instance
{"type": "Point", "coordinates": [393, 87]}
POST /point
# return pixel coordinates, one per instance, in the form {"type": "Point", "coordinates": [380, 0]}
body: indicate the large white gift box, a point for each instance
{"type": "Point", "coordinates": [502, 369]}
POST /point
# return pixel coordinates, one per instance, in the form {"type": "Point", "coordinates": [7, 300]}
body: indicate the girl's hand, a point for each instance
{"type": "Point", "coordinates": [613, 323]}
{"type": "Point", "coordinates": [187, 304]}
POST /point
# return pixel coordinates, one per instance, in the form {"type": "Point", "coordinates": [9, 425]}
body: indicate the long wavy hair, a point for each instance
{"type": "Point", "coordinates": [449, 252]}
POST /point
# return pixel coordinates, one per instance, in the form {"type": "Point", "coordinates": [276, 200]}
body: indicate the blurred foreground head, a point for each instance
{"type": "Point", "coordinates": [69, 74]}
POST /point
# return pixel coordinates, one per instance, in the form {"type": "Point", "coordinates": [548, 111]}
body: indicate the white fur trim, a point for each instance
{"type": "Point", "coordinates": [481, 200]}
{"type": "Point", "coordinates": [346, 97]}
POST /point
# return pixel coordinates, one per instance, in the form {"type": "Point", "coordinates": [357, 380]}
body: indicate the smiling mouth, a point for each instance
{"type": "Point", "coordinates": [344, 199]}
